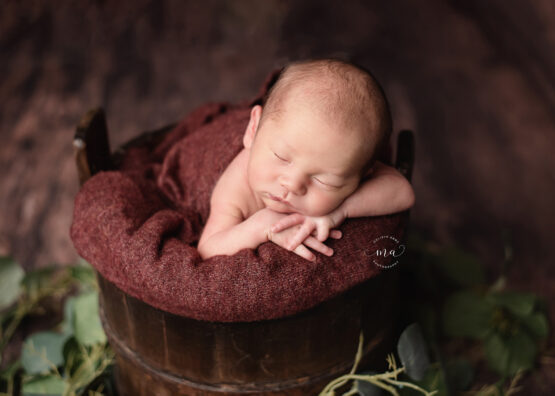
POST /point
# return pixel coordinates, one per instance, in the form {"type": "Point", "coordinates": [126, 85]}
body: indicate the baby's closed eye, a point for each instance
{"type": "Point", "coordinates": [326, 183]}
{"type": "Point", "coordinates": [281, 158]}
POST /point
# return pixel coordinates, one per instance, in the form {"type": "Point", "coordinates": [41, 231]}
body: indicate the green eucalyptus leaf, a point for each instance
{"type": "Point", "coordinates": [520, 304]}
{"type": "Point", "coordinates": [467, 314]}
{"type": "Point", "coordinates": [81, 262]}
{"type": "Point", "coordinates": [86, 320]}
{"type": "Point", "coordinates": [433, 381]}
{"type": "Point", "coordinates": [74, 355]}
{"type": "Point", "coordinates": [412, 351]}
{"type": "Point", "coordinates": [41, 351]}
{"type": "Point", "coordinates": [67, 323]}
{"type": "Point", "coordinates": [461, 267]}
{"type": "Point", "coordinates": [365, 388]}
{"type": "Point", "coordinates": [46, 385]}
{"type": "Point", "coordinates": [508, 354]}
{"type": "Point", "coordinates": [537, 325]}
{"type": "Point", "coordinates": [85, 275]}
{"type": "Point", "coordinates": [11, 275]}
{"type": "Point", "coordinates": [103, 384]}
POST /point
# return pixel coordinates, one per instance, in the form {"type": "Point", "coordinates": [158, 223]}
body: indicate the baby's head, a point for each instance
{"type": "Point", "coordinates": [317, 135]}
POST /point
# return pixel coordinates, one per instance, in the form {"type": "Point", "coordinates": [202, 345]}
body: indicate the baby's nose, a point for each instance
{"type": "Point", "coordinates": [293, 184]}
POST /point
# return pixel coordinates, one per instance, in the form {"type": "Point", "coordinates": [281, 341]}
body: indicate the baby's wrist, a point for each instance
{"type": "Point", "coordinates": [262, 222]}
{"type": "Point", "coordinates": [338, 215]}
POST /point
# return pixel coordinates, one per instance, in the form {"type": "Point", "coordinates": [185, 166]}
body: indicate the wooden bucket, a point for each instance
{"type": "Point", "coordinates": [158, 353]}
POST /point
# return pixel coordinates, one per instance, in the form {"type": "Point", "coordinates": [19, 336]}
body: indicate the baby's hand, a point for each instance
{"type": "Point", "coordinates": [317, 226]}
{"type": "Point", "coordinates": [283, 237]}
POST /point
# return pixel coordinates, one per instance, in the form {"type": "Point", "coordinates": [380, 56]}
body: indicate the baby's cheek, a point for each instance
{"type": "Point", "coordinates": [256, 176]}
{"type": "Point", "coordinates": [320, 204]}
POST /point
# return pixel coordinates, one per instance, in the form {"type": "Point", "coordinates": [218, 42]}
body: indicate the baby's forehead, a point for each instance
{"type": "Point", "coordinates": [330, 146]}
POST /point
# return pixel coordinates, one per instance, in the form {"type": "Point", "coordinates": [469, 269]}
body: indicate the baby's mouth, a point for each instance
{"type": "Point", "coordinates": [273, 197]}
{"type": "Point", "coordinates": [278, 199]}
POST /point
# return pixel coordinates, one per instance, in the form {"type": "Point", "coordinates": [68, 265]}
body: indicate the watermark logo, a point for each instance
{"type": "Point", "coordinates": [388, 250]}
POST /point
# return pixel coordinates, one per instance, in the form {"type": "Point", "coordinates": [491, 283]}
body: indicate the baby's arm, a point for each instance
{"type": "Point", "coordinates": [226, 232]}
{"type": "Point", "coordinates": [385, 191]}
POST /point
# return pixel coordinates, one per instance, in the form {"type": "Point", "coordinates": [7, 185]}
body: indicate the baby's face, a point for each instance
{"type": "Point", "coordinates": [302, 163]}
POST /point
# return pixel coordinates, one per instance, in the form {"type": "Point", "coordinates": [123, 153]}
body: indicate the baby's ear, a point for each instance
{"type": "Point", "coordinates": [250, 132]}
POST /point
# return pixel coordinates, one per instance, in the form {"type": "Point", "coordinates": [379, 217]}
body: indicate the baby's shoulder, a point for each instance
{"type": "Point", "coordinates": [232, 188]}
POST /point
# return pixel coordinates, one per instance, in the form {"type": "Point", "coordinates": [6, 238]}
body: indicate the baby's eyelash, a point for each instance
{"type": "Point", "coordinates": [283, 159]}
{"type": "Point", "coordinates": [325, 184]}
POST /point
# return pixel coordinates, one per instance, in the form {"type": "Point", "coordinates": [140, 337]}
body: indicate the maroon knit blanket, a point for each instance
{"type": "Point", "coordinates": [139, 226]}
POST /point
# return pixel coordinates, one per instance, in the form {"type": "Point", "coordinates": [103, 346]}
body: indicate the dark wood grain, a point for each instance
{"type": "Point", "coordinates": [90, 142]}
{"type": "Point", "coordinates": [160, 353]}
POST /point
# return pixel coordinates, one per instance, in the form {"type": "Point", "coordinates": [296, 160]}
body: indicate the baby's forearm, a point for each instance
{"type": "Point", "coordinates": [248, 234]}
{"type": "Point", "coordinates": [381, 195]}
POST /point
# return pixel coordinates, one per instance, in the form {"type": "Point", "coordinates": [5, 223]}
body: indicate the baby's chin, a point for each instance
{"type": "Point", "coordinates": [287, 208]}
{"type": "Point", "coordinates": [281, 208]}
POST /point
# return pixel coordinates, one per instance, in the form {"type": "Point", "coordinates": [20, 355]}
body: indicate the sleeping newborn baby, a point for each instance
{"type": "Point", "coordinates": [308, 163]}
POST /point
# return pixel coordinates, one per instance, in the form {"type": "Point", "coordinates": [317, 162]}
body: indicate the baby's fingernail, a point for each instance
{"type": "Point", "coordinates": [330, 252]}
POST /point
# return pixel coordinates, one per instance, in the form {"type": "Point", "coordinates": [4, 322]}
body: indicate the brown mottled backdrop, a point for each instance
{"type": "Point", "coordinates": [475, 80]}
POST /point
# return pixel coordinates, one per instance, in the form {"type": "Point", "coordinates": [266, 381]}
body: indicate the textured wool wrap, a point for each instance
{"type": "Point", "coordinates": [139, 226]}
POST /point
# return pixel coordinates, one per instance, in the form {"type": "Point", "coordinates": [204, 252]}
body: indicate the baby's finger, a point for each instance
{"type": "Point", "coordinates": [287, 222]}
{"type": "Point", "coordinates": [336, 234]}
{"type": "Point", "coordinates": [322, 233]}
{"type": "Point", "coordinates": [302, 251]}
{"type": "Point", "coordinates": [300, 236]}
{"type": "Point", "coordinates": [315, 244]}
